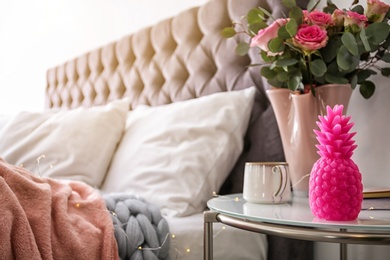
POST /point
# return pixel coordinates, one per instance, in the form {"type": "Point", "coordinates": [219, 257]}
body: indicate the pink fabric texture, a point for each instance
{"type": "Point", "coordinates": [43, 218]}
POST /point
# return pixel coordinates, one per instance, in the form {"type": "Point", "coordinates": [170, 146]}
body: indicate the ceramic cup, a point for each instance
{"type": "Point", "coordinates": [266, 182]}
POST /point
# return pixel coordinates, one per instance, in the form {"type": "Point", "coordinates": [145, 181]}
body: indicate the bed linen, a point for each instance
{"type": "Point", "coordinates": [168, 63]}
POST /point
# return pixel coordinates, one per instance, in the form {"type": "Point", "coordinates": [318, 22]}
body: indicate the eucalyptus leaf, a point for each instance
{"type": "Point", "coordinates": [354, 82]}
{"type": "Point", "coordinates": [275, 83]}
{"type": "Point", "coordinates": [266, 58]}
{"type": "Point", "coordinates": [358, 9]}
{"type": "Point", "coordinates": [335, 79]}
{"type": "Point", "coordinates": [386, 57]}
{"type": "Point", "coordinates": [364, 38]}
{"type": "Point", "coordinates": [228, 32]}
{"type": "Point", "coordinates": [345, 60]}
{"type": "Point", "coordinates": [367, 89]}
{"type": "Point", "coordinates": [332, 6]}
{"type": "Point", "coordinates": [242, 48]}
{"type": "Point", "coordinates": [283, 33]}
{"type": "Point", "coordinates": [265, 11]}
{"type": "Point", "coordinates": [296, 14]}
{"type": "Point", "coordinates": [376, 33]}
{"type": "Point", "coordinates": [329, 52]}
{"type": "Point", "coordinates": [294, 83]}
{"type": "Point", "coordinates": [255, 15]}
{"type": "Point", "coordinates": [292, 27]}
{"type": "Point", "coordinates": [289, 3]}
{"type": "Point", "coordinates": [350, 43]}
{"type": "Point", "coordinates": [318, 67]}
{"type": "Point", "coordinates": [276, 45]}
{"type": "Point", "coordinates": [362, 75]}
{"type": "Point", "coordinates": [254, 28]}
{"type": "Point", "coordinates": [385, 72]}
{"type": "Point", "coordinates": [267, 72]}
{"type": "Point", "coordinates": [283, 76]}
{"type": "Point", "coordinates": [286, 62]}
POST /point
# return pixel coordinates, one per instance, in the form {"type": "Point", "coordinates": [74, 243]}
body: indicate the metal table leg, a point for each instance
{"type": "Point", "coordinates": [209, 219]}
{"type": "Point", "coordinates": [343, 248]}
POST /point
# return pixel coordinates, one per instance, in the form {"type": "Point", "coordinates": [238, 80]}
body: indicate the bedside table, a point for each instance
{"type": "Point", "coordinates": [294, 220]}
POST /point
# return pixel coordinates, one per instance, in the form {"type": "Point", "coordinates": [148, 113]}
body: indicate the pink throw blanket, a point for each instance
{"type": "Point", "coordinates": [42, 218]}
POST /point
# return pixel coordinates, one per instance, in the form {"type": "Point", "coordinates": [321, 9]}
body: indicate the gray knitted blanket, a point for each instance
{"type": "Point", "coordinates": [140, 230]}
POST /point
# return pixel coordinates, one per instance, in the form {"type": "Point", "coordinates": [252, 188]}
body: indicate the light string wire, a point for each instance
{"type": "Point", "coordinates": [38, 161]}
{"type": "Point", "coordinates": [121, 225]}
{"type": "Point", "coordinates": [301, 179]}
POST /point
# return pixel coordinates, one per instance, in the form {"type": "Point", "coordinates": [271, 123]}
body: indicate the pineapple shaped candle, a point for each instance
{"type": "Point", "coordinates": [336, 190]}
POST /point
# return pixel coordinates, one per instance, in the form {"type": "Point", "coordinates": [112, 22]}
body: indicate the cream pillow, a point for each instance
{"type": "Point", "coordinates": [77, 144]}
{"type": "Point", "coordinates": [176, 155]}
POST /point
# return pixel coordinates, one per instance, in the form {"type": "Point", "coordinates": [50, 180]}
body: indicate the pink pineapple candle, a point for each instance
{"type": "Point", "coordinates": [335, 187]}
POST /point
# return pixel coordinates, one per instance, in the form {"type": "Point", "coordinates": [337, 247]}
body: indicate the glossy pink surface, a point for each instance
{"type": "Point", "coordinates": [335, 187]}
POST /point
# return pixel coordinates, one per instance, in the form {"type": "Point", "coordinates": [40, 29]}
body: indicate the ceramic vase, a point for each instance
{"type": "Point", "coordinates": [296, 115]}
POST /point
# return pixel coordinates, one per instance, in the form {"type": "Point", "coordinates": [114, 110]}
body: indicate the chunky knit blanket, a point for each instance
{"type": "Point", "coordinates": [140, 230]}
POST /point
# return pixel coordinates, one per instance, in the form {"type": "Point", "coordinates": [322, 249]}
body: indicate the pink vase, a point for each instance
{"type": "Point", "coordinates": [296, 115]}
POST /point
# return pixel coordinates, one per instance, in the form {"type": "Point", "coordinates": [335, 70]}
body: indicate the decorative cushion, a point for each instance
{"type": "Point", "coordinates": [77, 144]}
{"type": "Point", "coordinates": [176, 155]}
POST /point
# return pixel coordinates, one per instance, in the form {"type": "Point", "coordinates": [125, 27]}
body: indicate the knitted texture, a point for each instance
{"type": "Point", "coordinates": [336, 190]}
{"type": "Point", "coordinates": [140, 230]}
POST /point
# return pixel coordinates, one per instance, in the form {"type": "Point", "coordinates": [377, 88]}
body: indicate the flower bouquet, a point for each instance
{"type": "Point", "coordinates": [310, 47]}
{"type": "Point", "coordinates": [314, 59]}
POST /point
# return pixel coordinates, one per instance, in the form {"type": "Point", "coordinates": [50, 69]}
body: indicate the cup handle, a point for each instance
{"type": "Point", "coordinates": [282, 185]}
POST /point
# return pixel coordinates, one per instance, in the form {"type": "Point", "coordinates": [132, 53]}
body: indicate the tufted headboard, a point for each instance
{"type": "Point", "coordinates": [180, 58]}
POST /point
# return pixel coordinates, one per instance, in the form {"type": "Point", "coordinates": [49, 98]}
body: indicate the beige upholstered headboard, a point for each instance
{"type": "Point", "coordinates": [179, 58]}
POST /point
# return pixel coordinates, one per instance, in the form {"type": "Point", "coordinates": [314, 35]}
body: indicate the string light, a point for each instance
{"type": "Point", "coordinates": [38, 161]}
{"type": "Point", "coordinates": [301, 179]}
{"type": "Point", "coordinates": [51, 166]}
{"type": "Point", "coordinates": [186, 250]}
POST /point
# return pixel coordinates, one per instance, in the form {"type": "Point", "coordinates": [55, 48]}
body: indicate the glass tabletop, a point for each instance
{"type": "Point", "coordinates": [298, 213]}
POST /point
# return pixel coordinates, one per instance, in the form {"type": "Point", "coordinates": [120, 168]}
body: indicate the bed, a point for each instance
{"type": "Point", "coordinates": [161, 120]}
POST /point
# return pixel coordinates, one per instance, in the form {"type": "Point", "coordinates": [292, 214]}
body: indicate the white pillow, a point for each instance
{"type": "Point", "coordinates": [77, 144]}
{"type": "Point", "coordinates": [176, 155]}
{"type": "Point", "coordinates": [3, 120]}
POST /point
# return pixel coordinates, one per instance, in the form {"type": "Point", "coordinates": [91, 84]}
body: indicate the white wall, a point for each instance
{"type": "Point", "coordinates": [36, 35]}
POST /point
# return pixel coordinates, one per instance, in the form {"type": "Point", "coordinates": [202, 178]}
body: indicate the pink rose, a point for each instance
{"type": "Point", "coordinates": [310, 38]}
{"type": "Point", "coordinates": [319, 18]}
{"type": "Point", "coordinates": [305, 15]}
{"type": "Point", "coordinates": [354, 21]}
{"type": "Point", "coordinates": [376, 10]}
{"type": "Point", "coordinates": [338, 17]}
{"type": "Point", "coordinates": [263, 36]}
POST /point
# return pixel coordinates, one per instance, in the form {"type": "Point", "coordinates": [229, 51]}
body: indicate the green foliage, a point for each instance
{"type": "Point", "coordinates": [228, 32]}
{"type": "Point", "coordinates": [348, 54]}
{"type": "Point", "coordinates": [242, 48]}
